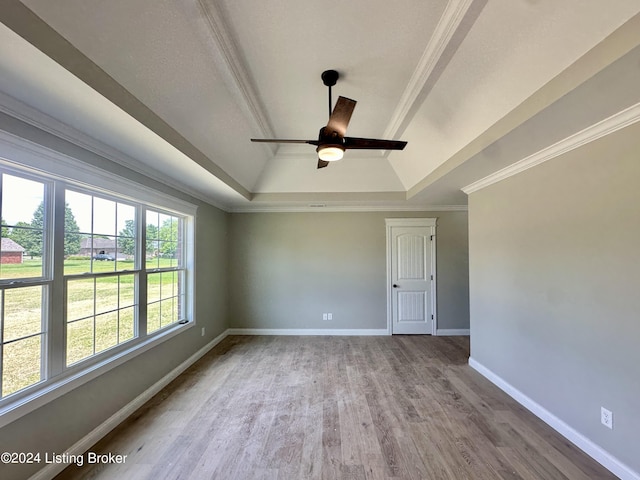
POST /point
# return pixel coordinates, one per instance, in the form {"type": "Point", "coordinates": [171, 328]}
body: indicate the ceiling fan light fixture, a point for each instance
{"type": "Point", "coordinates": [330, 153]}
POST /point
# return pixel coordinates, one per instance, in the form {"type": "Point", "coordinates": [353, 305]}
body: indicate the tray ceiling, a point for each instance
{"type": "Point", "coordinates": [179, 87]}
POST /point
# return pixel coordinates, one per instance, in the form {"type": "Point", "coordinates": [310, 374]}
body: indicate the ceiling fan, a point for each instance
{"type": "Point", "coordinates": [331, 142]}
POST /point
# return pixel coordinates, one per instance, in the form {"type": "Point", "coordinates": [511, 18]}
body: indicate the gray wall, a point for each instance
{"type": "Point", "coordinates": [554, 288]}
{"type": "Point", "coordinates": [59, 424]}
{"type": "Point", "coordinates": [289, 268]}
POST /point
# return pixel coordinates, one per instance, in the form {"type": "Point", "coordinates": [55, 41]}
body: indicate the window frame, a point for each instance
{"type": "Point", "coordinates": [66, 278]}
{"type": "Point", "coordinates": [44, 281]}
{"type": "Point", "coordinates": [180, 268]}
{"type": "Point", "coordinates": [60, 172]}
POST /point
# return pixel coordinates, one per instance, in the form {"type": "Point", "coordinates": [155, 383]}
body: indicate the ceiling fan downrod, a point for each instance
{"type": "Point", "coordinates": [330, 78]}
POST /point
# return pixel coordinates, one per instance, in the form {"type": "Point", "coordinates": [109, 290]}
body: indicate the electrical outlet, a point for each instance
{"type": "Point", "coordinates": [203, 331]}
{"type": "Point", "coordinates": [329, 316]}
{"type": "Point", "coordinates": [324, 316]}
{"type": "Point", "coordinates": [606, 417]}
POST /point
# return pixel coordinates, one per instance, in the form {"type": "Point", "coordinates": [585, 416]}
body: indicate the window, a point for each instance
{"type": "Point", "coordinates": [24, 288]}
{"type": "Point", "coordinates": [100, 272]}
{"type": "Point", "coordinates": [165, 295]}
{"type": "Point", "coordinates": [86, 275]}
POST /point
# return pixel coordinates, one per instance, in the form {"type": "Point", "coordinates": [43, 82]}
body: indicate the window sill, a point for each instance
{"type": "Point", "coordinates": [49, 391]}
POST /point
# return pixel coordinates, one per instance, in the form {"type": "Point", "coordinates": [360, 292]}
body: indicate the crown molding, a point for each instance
{"type": "Point", "coordinates": [449, 22]}
{"type": "Point", "coordinates": [323, 208]}
{"type": "Point", "coordinates": [229, 63]}
{"type": "Point", "coordinates": [598, 130]}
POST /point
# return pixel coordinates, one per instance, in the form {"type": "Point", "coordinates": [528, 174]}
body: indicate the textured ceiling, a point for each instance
{"type": "Point", "coordinates": [197, 79]}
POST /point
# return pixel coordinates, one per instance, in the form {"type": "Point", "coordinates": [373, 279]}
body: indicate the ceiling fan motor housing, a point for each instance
{"type": "Point", "coordinates": [326, 137]}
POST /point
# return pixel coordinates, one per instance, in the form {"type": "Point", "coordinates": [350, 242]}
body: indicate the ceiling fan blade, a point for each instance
{"type": "Point", "coordinates": [339, 119]}
{"type": "Point", "coordinates": [281, 140]}
{"type": "Point", "coordinates": [322, 163]}
{"type": "Point", "coordinates": [373, 144]}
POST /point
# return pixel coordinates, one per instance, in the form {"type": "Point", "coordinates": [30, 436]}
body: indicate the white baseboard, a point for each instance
{"type": "Point", "coordinates": [596, 452]}
{"type": "Point", "coordinates": [93, 437]}
{"type": "Point", "coordinates": [452, 332]}
{"type": "Point", "coordinates": [308, 331]}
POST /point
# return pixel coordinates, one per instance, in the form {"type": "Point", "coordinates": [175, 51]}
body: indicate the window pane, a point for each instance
{"type": "Point", "coordinates": [80, 205]}
{"type": "Point", "coordinates": [22, 200]}
{"type": "Point", "coordinates": [127, 237]}
{"type": "Point", "coordinates": [175, 225]}
{"type": "Point", "coordinates": [152, 261]}
{"type": "Point", "coordinates": [153, 287]}
{"type": "Point", "coordinates": [22, 312]}
{"type": "Point", "coordinates": [76, 264]}
{"type": "Point", "coordinates": [23, 215]}
{"type": "Point", "coordinates": [21, 253]}
{"type": "Point", "coordinates": [164, 219]}
{"type": "Point", "coordinates": [77, 232]}
{"type": "Point", "coordinates": [153, 317]}
{"type": "Point", "coordinates": [104, 254]}
{"type": "Point", "coordinates": [167, 251]}
{"type": "Point", "coordinates": [127, 328]}
{"type": "Point", "coordinates": [127, 290]}
{"type": "Point", "coordinates": [153, 224]}
{"type": "Point", "coordinates": [169, 284]}
{"type": "Point", "coordinates": [72, 235]}
{"type": "Point", "coordinates": [79, 340]}
{"type": "Point", "coordinates": [126, 217]}
{"type": "Point", "coordinates": [167, 312]}
{"type": "Point", "coordinates": [125, 253]}
{"type": "Point", "coordinates": [106, 331]}
{"type": "Point", "coordinates": [106, 294]}
{"type": "Point", "coordinates": [104, 216]}
{"type": "Point", "coordinates": [153, 239]}
{"type": "Point", "coordinates": [80, 296]}
{"type": "Point", "coordinates": [21, 364]}
{"type": "Point", "coordinates": [180, 306]}
{"type": "Point", "coordinates": [177, 308]}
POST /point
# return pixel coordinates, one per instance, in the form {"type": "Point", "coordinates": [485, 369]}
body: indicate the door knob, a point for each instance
{"type": "Point", "coordinates": [395, 286]}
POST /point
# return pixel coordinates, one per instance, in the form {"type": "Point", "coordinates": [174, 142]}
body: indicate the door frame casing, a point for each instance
{"type": "Point", "coordinates": [411, 222]}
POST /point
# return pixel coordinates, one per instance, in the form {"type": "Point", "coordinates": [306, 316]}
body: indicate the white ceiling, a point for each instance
{"type": "Point", "coordinates": [202, 77]}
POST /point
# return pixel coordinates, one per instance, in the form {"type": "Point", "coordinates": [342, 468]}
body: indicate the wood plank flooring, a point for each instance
{"type": "Point", "coordinates": [350, 408]}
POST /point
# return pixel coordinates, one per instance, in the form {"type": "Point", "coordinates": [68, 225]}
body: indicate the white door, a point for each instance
{"type": "Point", "coordinates": [411, 275]}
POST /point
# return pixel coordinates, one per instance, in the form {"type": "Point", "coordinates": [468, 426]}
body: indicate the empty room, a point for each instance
{"type": "Point", "coordinates": [319, 240]}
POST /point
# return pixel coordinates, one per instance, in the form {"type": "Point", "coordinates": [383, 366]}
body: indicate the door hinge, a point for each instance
{"type": "Point", "coordinates": [432, 237]}
{"type": "Point", "coordinates": [431, 317]}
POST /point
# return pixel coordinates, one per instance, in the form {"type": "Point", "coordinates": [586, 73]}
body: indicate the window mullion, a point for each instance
{"type": "Point", "coordinates": [55, 300]}
{"type": "Point", "coordinates": [141, 254]}
{"type": "Point", "coordinates": [1, 338]}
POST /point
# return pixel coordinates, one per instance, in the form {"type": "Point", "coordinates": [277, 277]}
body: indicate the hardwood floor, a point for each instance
{"type": "Point", "coordinates": [400, 407]}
